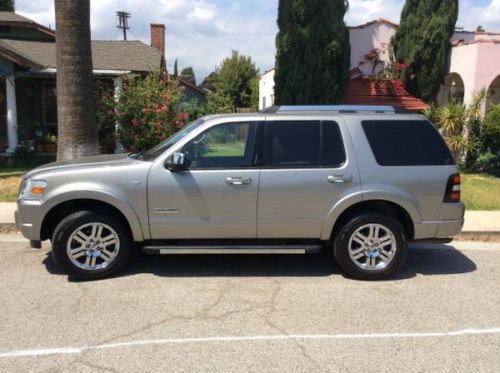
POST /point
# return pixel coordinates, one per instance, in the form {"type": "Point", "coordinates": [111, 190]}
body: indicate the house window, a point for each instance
{"type": "Point", "coordinates": [263, 102]}
{"type": "Point", "coordinates": [49, 104]}
{"type": "Point", "coordinates": [272, 100]}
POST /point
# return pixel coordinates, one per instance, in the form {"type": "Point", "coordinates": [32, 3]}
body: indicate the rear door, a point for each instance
{"type": "Point", "coordinates": [308, 166]}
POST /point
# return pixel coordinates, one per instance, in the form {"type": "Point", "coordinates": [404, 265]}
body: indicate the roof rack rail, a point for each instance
{"type": "Point", "coordinates": [338, 109]}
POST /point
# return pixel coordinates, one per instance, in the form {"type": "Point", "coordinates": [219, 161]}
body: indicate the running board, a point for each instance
{"type": "Point", "coordinates": [232, 249]}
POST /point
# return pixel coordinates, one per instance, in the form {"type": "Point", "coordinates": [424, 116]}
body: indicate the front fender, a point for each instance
{"type": "Point", "coordinates": [65, 194]}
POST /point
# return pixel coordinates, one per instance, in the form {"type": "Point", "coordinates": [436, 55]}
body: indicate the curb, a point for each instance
{"type": "Point", "coordinates": [478, 236]}
{"type": "Point", "coordinates": [8, 228]}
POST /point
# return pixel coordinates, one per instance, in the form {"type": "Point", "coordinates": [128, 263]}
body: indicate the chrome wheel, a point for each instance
{"type": "Point", "coordinates": [372, 247]}
{"type": "Point", "coordinates": [93, 246]}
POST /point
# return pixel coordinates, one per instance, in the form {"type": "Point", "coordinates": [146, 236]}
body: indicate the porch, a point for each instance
{"type": "Point", "coordinates": [28, 114]}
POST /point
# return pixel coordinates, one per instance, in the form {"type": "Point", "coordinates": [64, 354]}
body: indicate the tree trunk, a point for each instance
{"type": "Point", "coordinates": [75, 86]}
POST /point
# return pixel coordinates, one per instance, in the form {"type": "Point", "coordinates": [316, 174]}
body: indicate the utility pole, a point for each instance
{"type": "Point", "coordinates": [123, 23]}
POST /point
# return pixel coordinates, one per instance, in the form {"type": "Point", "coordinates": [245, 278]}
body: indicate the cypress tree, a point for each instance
{"type": "Point", "coordinates": [313, 52]}
{"type": "Point", "coordinates": [176, 68]}
{"type": "Point", "coordinates": [422, 41]}
{"type": "Point", "coordinates": [7, 5]}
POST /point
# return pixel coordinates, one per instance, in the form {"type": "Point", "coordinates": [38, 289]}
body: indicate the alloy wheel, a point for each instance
{"type": "Point", "coordinates": [93, 246]}
{"type": "Point", "coordinates": [372, 247]}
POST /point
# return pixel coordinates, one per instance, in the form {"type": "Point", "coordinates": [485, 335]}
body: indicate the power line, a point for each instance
{"type": "Point", "coordinates": [123, 22]}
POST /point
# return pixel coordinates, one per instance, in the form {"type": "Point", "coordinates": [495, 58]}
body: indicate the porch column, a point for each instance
{"type": "Point", "coordinates": [117, 82]}
{"type": "Point", "coordinates": [10, 89]}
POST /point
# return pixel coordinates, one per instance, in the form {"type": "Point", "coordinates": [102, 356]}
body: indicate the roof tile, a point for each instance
{"type": "Point", "coordinates": [107, 55]}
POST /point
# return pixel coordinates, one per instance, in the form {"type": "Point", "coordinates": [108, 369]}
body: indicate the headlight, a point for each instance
{"type": "Point", "coordinates": [32, 189]}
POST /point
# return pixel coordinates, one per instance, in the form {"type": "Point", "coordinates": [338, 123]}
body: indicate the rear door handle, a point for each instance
{"type": "Point", "coordinates": [239, 181]}
{"type": "Point", "coordinates": [340, 179]}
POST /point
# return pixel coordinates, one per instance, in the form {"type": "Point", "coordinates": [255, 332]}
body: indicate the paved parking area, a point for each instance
{"type": "Point", "coordinates": [252, 313]}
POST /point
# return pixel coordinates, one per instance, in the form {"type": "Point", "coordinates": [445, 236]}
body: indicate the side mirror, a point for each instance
{"type": "Point", "coordinates": [177, 162]}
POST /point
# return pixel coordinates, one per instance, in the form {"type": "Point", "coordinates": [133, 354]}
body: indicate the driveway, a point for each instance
{"type": "Point", "coordinates": [252, 313]}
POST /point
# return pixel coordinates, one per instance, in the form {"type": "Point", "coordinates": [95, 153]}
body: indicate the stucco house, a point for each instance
{"type": "Point", "coordinates": [473, 65]}
{"type": "Point", "coordinates": [28, 73]}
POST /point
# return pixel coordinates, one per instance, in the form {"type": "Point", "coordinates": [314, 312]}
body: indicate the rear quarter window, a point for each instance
{"type": "Point", "coordinates": [406, 143]}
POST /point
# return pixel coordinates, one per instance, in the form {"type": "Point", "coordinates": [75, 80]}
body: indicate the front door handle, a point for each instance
{"type": "Point", "coordinates": [239, 181]}
{"type": "Point", "coordinates": [340, 179]}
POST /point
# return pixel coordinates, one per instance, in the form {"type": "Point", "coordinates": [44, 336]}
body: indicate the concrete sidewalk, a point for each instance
{"type": "Point", "coordinates": [480, 222]}
{"type": "Point", "coordinates": [7, 213]}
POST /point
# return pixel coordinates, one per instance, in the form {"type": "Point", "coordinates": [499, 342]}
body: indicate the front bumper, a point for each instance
{"type": "Point", "coordinates": [29, 218]}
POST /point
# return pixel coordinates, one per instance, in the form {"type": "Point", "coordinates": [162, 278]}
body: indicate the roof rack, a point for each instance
{"type": "Point", "coordinates": [338, 109]}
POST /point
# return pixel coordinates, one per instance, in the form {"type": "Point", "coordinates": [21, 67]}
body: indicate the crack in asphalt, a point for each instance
{"type": "Point", "coordinates": [206, 313]}
{"type": "Point", "coordinates": [272, 325]}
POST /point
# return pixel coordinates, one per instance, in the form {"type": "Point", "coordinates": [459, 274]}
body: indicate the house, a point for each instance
{"type": "Point", "coordinates": [472, 66]}
{"type": "Point", "coordinates": [28, 101]}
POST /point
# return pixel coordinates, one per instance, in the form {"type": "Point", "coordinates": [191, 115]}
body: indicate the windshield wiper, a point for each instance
{"type": "Point", "coordinates": [136, 155]}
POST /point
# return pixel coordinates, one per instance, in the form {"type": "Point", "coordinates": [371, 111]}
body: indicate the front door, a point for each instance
{"type": "Point", "coordinates": [216, 197]}
{"type": "Point", "coordinates": [306, 170]}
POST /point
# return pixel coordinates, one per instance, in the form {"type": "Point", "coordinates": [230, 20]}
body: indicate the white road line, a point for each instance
{"type": "Point", "coordinates": [257, 338]}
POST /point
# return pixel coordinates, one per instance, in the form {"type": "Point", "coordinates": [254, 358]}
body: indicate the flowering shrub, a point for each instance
{"type": "Point", "coordinates": [147, 110]}
{"type": "Point", "coordinates": [389, 71]}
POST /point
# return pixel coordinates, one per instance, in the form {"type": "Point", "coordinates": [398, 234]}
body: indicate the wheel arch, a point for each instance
{"type": "Point", "coordinates": [58, 211]}
{"type": "Point", "coordinates": [338, 219]}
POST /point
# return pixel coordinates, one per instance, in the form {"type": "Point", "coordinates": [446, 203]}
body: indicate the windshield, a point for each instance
{"type": "Point", "coordinates": [163, 146]}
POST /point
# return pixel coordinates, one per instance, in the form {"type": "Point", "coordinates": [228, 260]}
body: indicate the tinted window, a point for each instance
{"type": "Point", "coordinates": [229, 145]}
{"type": "Point", "coordinates": [303, 144]}
{"type": "Point", "coordinates": [406, 143]}
{"type": "Point", "coordinates": [332, 146]}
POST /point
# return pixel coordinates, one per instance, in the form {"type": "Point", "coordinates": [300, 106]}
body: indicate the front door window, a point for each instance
{"type": "Point", "coordinates": [228, 146]}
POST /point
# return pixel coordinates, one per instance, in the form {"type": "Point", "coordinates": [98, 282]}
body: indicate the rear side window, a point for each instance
{"type": "Point", "coordinates": [303, 144]}
{"type": "Point", "coordinates": [406, 143]}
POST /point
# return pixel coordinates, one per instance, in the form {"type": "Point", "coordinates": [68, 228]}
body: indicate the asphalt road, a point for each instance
{"type": "Point", "coordinates": [252, 313]}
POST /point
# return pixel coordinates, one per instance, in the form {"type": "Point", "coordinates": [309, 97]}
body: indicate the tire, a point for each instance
{"type": "Point", "coordinates": [365, 253]}
{"type": "Point", "coordinates": [101, 245]}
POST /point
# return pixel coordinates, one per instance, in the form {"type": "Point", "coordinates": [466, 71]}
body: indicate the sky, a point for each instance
{"type": "Point", "coordinates": [201, 33]}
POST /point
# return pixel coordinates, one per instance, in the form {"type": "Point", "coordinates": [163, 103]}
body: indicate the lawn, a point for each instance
{"type": "Point", "coordinates": [10, 178]}
{"type": "Point", "coordinates": [479, 192]}
{"type": "Point", "coordinates": [229, 149]}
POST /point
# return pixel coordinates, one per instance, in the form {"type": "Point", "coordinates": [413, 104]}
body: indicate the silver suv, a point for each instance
{"type": "Point", "coordinates": [361, 181]}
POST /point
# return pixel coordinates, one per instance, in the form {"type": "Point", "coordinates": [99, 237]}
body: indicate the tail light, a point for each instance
{"type": "Point", "coordinates": [452, 194]}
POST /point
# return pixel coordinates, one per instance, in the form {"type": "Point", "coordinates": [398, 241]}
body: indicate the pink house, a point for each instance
{"type": "Point", "coordinates": [474, 61]}
{"type": "Point", "coordinates": [474, 64]}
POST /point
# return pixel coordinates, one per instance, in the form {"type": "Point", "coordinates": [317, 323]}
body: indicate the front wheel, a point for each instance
{"type": "Point", "coordinates": [89, 246]}
{"type": "Point", "coordinates": [370, 246]}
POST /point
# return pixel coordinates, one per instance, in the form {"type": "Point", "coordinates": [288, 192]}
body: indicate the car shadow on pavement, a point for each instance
{"type": "Point", "coordinates": [432, 260]}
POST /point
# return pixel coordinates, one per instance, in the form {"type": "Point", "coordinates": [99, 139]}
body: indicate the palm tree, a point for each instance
{"type": "Point", "coordinates": [75, 89]}
{"type": "Point", "coordinates": [458, 122]}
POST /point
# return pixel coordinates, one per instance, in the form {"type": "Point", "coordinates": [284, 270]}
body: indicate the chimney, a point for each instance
{"type": "Point", "coordinates": [158, 40]}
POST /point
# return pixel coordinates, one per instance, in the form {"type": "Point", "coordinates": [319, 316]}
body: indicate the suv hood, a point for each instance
{"type": "Point", "coordinates": [86, 162]}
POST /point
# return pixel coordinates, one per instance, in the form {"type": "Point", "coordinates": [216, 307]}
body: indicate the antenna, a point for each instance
{"type": "Point", "coordinates": [123, 22]}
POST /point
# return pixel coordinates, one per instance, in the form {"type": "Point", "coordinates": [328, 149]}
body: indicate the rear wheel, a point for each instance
{"type": "Point", "coordinates": [370, 246]}
{"type": "Point", "coordinates": [90, 245]}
